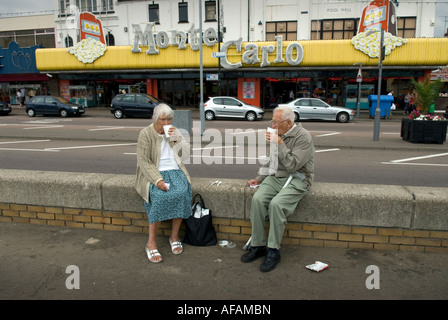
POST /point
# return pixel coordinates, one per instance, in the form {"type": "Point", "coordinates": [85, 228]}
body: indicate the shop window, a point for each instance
{"type": "Point", "coordinates": [110, 39]}
{"type": "Point", "coordinates": [5, 38]}
{"type": "Point", "coordinates": [68, 41]}
{"type": "Point", "coordinates": [287, 29]}
{"type": "Point", "coordinates": [406, 27]}
{"type": "Point", "coordinates": [94, 6]}
{"type": "Point", "coordinates": [107, 5]}
{"type": "Point", "coordinates": [63, 4]}
{"type": "Point", "coordinates": [29, 38]}
{"type": "Point", "coordinates": [210, 10]}
{"type": "Point", "coordinates": [229, 88]}
{"type": "Point", "coordinates": [333, 29]}
{"type": "Point", "coordinates": [86, 5]}
{"type": "Point", "coordinates": [183, 12]}
{"type": "Point", "coordinates": [154, 13]}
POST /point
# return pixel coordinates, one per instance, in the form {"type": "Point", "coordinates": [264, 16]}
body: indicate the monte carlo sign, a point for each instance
{"type": "Point", "coordinates": [161, 40]}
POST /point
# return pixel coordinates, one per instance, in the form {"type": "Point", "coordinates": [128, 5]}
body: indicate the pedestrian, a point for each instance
{"type": "Point", "coordinates": [281, 186]}
{"type": "Point", "coordinates": [19, 97]}
{"type": "Point", "coordinates": [22, 96]}
{"type": "Point", "coordinates": [162, 179]}
{"type": "Point", "coordinates": [407, 100]}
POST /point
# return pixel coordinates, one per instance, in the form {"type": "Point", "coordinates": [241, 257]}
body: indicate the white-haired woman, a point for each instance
{"type": "Point", "coordinates": [162, 179]}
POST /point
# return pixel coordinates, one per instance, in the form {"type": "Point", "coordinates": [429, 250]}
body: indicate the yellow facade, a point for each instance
{"type": "Point", "coordinates": [316, 53]}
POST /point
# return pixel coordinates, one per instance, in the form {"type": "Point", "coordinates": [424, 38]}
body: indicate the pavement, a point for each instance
{"type": "Point", "coordinates": [41, 263]}
{"type": "Point", "coordinates": [44, 263]}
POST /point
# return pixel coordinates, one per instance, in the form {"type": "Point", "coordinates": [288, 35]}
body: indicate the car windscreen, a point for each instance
{"type": "Point", "coordinates": [154, 99]}
{"type": "Point", "coordinates": [61, 100]}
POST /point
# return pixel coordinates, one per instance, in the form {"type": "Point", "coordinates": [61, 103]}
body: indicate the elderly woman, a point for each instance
{"type": "Point", "coordinates": [162, 179]}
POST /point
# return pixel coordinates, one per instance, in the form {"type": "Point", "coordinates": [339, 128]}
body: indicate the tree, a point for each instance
{"type": "Point", "coordinates": [427, 93]}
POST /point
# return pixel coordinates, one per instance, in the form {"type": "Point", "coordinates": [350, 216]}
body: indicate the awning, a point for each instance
{"type": "Point", "coordinates": [431, 52]}
{"type": "Point", "coordinates": [24, 77]}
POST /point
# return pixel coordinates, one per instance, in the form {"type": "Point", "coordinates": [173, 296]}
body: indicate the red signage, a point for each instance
{"type": "Point", "coordinates": [379, 14]}
{"type": "Point", "coordinates": [91, 27]}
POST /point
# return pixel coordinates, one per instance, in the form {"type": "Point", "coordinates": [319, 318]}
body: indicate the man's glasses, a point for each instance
{"type": "Point", "coordinates": [277, 123]}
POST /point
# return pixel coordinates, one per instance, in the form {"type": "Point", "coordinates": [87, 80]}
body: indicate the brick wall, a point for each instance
{"type": "Point", "coordinates": [303, 234]}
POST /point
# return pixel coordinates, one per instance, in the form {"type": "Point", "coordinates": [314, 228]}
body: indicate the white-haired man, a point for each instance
{"type": "Point", "coordinates": [281, 188]}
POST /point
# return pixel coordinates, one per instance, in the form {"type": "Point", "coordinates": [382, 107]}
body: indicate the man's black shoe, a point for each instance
{"type": "Point", "coordinates": [253, 254]}
{"type": "Point", "coordinates": [271, 261]}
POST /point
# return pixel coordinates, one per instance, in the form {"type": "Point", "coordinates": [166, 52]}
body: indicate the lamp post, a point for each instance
{"type": "Point", "coordinates": [359, 80]}
{"type": "Point", "coordinates": [376, 126]}
{"type": "Point", "coordinates": [201, 74]}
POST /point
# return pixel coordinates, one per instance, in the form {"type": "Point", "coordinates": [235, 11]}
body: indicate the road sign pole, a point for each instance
{"type": "Point", "coordinates": [359, 80]}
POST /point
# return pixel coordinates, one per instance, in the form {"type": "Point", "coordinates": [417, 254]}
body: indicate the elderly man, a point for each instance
{"type": "Point", "coordinates": [280, 188]}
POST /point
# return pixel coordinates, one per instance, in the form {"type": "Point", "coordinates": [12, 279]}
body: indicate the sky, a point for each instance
{"type": "Point", "coordinates": [45, 6]}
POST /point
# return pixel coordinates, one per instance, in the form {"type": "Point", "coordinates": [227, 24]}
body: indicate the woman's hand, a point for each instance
{"type": "Point", "coordinates": [162, 186]}
{"type": "Point", "coordinates": [172, 132]}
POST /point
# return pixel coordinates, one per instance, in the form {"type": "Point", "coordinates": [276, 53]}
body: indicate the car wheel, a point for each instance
{"type": "Point", "coordinates": [251, 116]}
{"type": "Point", "coordinates": [296, 117]}
{"type": "Point", "coordinates": [342, 117]}
{"type": "Point", "coordinates": [63, 113]}
{"type": "Point", "coordinates": [118, 114]}
{"type": "Point", "coordinates": [31, 113]}
{"type": "Point", "coordinates": [209, 115]}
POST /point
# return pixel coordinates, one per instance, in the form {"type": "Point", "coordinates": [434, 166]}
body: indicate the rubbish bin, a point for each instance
{"type": "Point", "coordinates": [182, 120]}
{"type": "Point", "coordinates": [385, 104]}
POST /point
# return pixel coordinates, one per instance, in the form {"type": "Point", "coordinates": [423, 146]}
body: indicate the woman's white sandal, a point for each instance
{"type": "Point", "coordinates": [153, 253]}
{"type": "Point", "coordinates": [175, 245]}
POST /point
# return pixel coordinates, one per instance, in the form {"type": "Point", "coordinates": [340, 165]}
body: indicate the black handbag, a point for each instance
{"type": "Point", "coordinates": [200, 230]}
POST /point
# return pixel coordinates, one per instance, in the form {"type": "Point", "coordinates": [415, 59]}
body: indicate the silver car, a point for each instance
{"type": "Point", "coordinates": [229, 107]}
{"type": "Point", "coordinates": [316, 109]}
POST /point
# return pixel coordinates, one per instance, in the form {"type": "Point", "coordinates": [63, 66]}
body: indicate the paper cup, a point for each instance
{"type": "Point", "coordinates": [269, 129]}
{"type": "Point", "coordinates": [166, 128]}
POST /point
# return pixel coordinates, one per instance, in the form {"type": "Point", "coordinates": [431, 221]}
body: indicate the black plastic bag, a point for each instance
{"type": "Point", "coordinates": [200, 230]}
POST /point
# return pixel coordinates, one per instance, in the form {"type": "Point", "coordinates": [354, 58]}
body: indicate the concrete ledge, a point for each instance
{"type": "Point", "coordinates": [327, 203]}
{"type": "Point", "coordinates": [350, 215]}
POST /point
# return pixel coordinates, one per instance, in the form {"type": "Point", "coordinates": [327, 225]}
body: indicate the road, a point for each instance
{"type": "Point", "coordinates": [97, 142]}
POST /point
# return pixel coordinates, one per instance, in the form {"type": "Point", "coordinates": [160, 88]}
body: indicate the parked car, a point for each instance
{"type": "Point", "coordinates": [229, 107]}
{"type": "Point", "coordinates": [5, 108]}
{"type": "Point", "coordinates": [47, 105]}
{"type": "Point", "coordinates": [316, 109]}
{"type": "Point", "coordinates": [133, 104]}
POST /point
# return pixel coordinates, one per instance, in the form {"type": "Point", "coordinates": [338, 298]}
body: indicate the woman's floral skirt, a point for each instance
{"type": "Point", "coordinates": [171, 204]}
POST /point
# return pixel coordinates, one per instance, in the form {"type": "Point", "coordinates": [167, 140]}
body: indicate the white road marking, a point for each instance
{"type": "Point", "coordinates": [328, 134]}
{"type": "Point", "coordinates": [418, 158]}
{"type": "Point", "coordinates": [327, 150]}
{"type": "Point", "coordinates": [44, 127]}
{"type": "Point", "coordinates": [106, 128]}
{"type": "Point", "coordinates": [38, 150]}
{"type": "Point", "coordinates": [247, 158]}
{"type": "Point", "coordinates": [93, 146]}
{"type": "Point", "coordinates": [418, 164]}
{"type": "Point", "coordinates": [27, 141]}
{"type": "Point", "coordinates": [210, 148]}
{"type": "Point", "coordinates": [407, 162]}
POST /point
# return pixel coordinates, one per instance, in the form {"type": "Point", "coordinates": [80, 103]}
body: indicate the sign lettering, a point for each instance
{"type": "Point", "coordinates": [161, 40]}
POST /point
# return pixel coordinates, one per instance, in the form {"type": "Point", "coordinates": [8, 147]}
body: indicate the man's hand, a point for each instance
{"type": "Point", "coordinates": [253, 182]}
{"type": "Point", "coordinates": [273, 137]}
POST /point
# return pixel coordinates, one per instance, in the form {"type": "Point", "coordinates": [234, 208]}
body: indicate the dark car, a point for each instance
{"type": "Point", "coordinates": [52, 105]}
{"type": "Point", "coordinates": [133, 104]}
{"type": "Point", "coordinates": [5, 108]}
